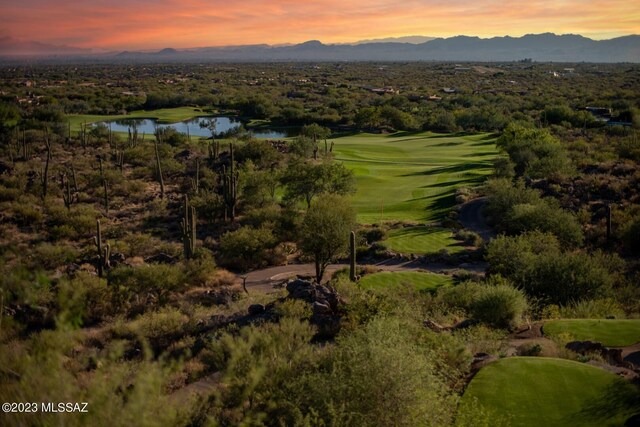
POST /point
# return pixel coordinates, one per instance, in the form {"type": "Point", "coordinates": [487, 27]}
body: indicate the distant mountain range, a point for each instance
{"type": "Point", "coordinates": [12, 47]}
{"type": "Point", "coordinates": [538, 47]}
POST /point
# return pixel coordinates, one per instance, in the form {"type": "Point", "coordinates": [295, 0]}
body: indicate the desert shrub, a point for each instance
{"type": "Point", "coordinates": [503, 195]}
{"type": "Point", "coordinates": [26, 212]}
{"type": "Point", "coordinates": [25, 286]}
{"type": "Point", "coordinates": [482, 339]}
{"type": "Point", "coordinates": [513, 257]}
{"type": "Point", "coordinates": [469, 237]}
{"type": "Point", "coordinates": [460, 296]}
{"type": "Point", "coordinates": [593, 309]}
{"type": "Point", "coordinates": [153, 325]}
{"type": "Point", "coordinates": [51, 256]}
{"type": "Point", "coordinates": [294, 309]}
{"type": "Point", "coordinates": [535, 152]}
{"type": "Point", "coordinates": [375, 234]}
{"type": "Point", "coordinates": [516, 209]}
{"type": "Point", "coordinates": [79, 222]}
{"type": "Point", "coordinates": [503, 167]}
{"type": "Point", "coordinates": [138, 244]}
{"type": "Point", "coordinates": [119, 393]}
{"type": "Point", "coordinates": [547, 218]}
{"type": "Point", "coordinates": [246, 247]}
{"type": "Point", "coordinates": [631, 235]}
{"type": "Point", "coordinates": [201, 268]}
{"type": "Point", "coordinates": [9, 194]}
{"type": "Point", "coordinates": [392, 379]}
{"type": "Point", "coordinates": [566, 279]}
{"type": "Point", "coordinates": [534, 263]}
{"type": "Point", "coordinates": [378, 375]}
{"type": "Point", "coordinates": [530, 350]}
{"type": "Point", "coordinates": [209, 206]}
{"type": "Point", "coordinates": [146, 285]}
{"type": "Point", "coordinates": [83, 300]}
{"type": "Point", "coordinates": [500, 306]}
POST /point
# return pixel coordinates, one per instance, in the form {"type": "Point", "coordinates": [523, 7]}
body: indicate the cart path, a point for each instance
{"type": "Point", "coordinates": [263, 280]}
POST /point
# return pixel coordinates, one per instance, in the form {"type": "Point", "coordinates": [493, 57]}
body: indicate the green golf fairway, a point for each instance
{"type": "Point", "coordinates": [412, 176]}
{"type": "Point", "coordinates": [422, 240]}
{"type": "Point", "coordinates": [548, 392]}
{"type": "Point", "coordinates": [613, 333]}
{"type": "Point", "coordinates": [421, 281]}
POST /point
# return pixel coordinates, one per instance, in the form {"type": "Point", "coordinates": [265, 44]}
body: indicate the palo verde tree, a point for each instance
{"type": "Point", "coordinates": [325, 231]}
{"type": "Point", "coordinates": [306, 180]}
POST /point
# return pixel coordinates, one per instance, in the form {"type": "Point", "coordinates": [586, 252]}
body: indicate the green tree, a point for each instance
{"type": "Point", "coordinates": [535, 152]}
{"type": "Point", "coordinates": [324, 234]}
{"type": "Point", "coordinates": [247, 246]}
{"type": "Point", "coordinates": [306, 180]}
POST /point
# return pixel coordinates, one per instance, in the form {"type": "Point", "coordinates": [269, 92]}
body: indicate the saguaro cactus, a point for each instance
{"type": "Point", "coordinates": [214, 151]}
{"type": "Point", "coordinates": [188, 224]}
{"type": "Point", "coordinates": [105, 186]}
{"type": "Point", "coordinates": [352, 256]}
{"type": "Point", "coordinates": [45, 171]}
{"type": "Point", "coordinates": [159, 169]}
{"type": "Point", "coordinates": [67, 194]}
{"type": "Point", "coordinates": [230, 187]}
{"type": "Point", "coordinates": [195, 182]}
{"type": "Point", "coordinates": [608, 221]}
{"type": "Point", "coordinates": [104, 251]}
{"type": "Point", "coordinates": [119, 155]}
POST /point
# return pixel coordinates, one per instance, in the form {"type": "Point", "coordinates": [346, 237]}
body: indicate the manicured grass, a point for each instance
{"type": "Point", "coordinates": [548, 392]}
{"type": "Point", "coordinates": [165, 115]}
{"type": "Point", "coordinates": [388, 279]}
{"type": "Point", "coordinates": [610, 332]}
{"type": "Point", "coordinates": [421, 240]}
{"type": "Point", "coordinates": [412, 176]}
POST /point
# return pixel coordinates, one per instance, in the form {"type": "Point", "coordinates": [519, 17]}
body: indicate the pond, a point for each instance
{"type": "Point", "coordinates": [193, 127]}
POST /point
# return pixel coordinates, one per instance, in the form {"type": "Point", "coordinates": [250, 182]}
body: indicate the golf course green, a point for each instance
{"type": "Point", "coordinates": [549, 392]}
{"type": "Point", "coordinates": [422, 240]}
{"type": "Point", "coordinates": [421, 281]}
{"type": "Point", "coordinates": [412, 176]}
{"type": "Point", "coordinates": [610, 332]}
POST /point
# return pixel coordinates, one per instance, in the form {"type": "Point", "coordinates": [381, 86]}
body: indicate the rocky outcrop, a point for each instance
{"type": "Point", "coordinates": [612, 356]}
{"type": "Point", "coordinates": [325, 302]}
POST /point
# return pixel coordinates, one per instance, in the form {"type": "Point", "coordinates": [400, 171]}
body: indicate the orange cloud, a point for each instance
{"type": "Point", "coordinates": [149, 24]}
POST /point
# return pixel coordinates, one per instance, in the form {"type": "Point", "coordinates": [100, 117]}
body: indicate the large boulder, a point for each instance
{"type": "Point", "coordinates": [612, 356]}
{"type": "Point", "coordinates": [325, 302]}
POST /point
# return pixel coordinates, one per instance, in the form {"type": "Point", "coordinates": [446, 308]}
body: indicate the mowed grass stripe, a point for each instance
{"type": "Point", "coordinates": [536, 392]}
{"type": "Point", "coordinates": [412, 176]}
{"type": "Point", "coordinates": [422, 240]}
{"type": "Point", "coordinates": [419, 280]}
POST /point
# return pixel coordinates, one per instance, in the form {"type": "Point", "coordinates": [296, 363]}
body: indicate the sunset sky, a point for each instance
{"type": "Point", "coordinates": [151, 24]}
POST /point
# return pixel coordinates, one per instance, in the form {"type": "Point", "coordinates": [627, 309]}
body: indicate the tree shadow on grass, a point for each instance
{"type": "Point", "coordinates": [484, 142]}
{"type": "Point", "coordinates": [450, 135]}
{"type": "Point", "coordinates": [620, 399]}
{"type": "Point", "coordinates": [479, 155]}
{"type": "Point", "coordinates": [442, 203]}
{"type": "Point", "coordinates": [415, 231]}
{"type": "Point", "coordinates": [447, 144]}
{"type": "Point", "coordinates": [448, 169]}
{"type": "Point", "coordinates": [473, 180]}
